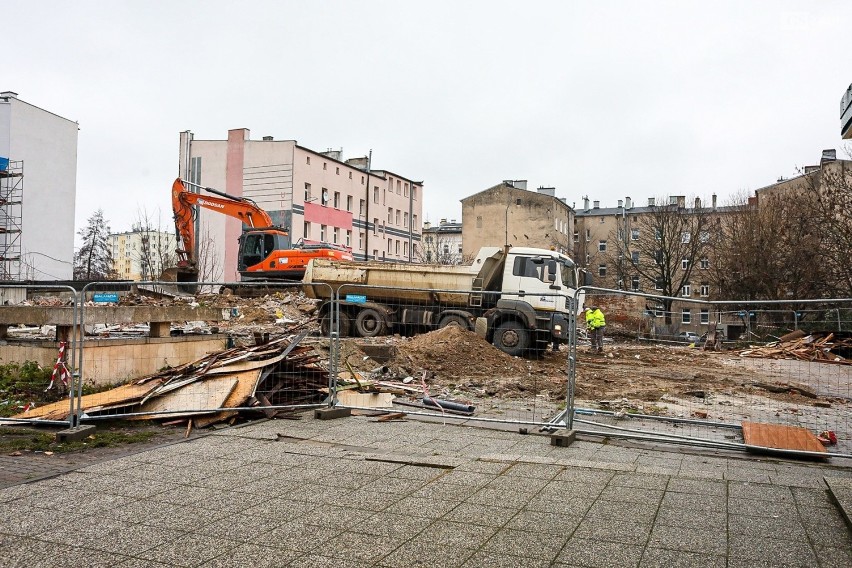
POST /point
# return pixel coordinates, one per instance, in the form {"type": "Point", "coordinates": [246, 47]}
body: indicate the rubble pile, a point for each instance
{"type": "Point", "coordinates": [277, 373]}
{"type": "Point", "coordinates": [823, 347]}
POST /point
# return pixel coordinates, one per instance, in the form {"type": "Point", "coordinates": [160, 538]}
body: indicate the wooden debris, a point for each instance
{"type": "Point", "coordinates": [391, 416]}
{"type": "Point", "coordinates": [813, 347]}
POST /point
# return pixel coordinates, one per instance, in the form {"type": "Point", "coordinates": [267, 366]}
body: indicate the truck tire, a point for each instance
{"type": "Point", "coordinates": [511, 337]}
{"type": "Point", "coordinates": [345, 324]}
{"type": "Point", "coordinates": [453, 319]}
{"type": "Point", "coordinates": [370, 323]}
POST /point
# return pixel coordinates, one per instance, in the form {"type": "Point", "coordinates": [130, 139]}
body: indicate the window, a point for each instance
{"type": "Point", "coordinates": [375, 225]}
{"type": "Point", "coordinates": [685, 237]}
{"type": "Point", "coordinates": [686, 290]}
{"type": "Point", "coordinates": [390, 245]}
{"type": "Point", "coordinates": [601, 220]}
{"type": "Point", "coordinates": [634, 282]}
{"type": "Point", "coordinates": [398, 187]}
{"type": "Point", "coordinates": [337, 200]}
{"type": "Point", "coordinates": [360, 241]}
{"type": "Point", "coordinates": [390, 214]}
{"type": "Point", "coordinates": [479, 221]}
{"type": "Point", "coordinates": [350, 175]}
{"type": "Point", "coordinates": [704, 236]}
{"type": "Point", "coordinates": [397, 218]}
{"type": "Point", "coordinates": [460, 250]}
{"type": "Point", "coordinates": [414, 221]}
{"type": "Point", "coordinates": [362, 180]}
{"type": "Point", "coordinates": [429, 239]}
{"type": "Point", "coordinates": [705, 316]}
{"type": "Point", "coordinates": [336, 235]}
{"type": "Point", "coordinates": [375, 254]}
{"type": "Point", "coordinates": [634, 257]}
{"type": "Point", "coordinates": [405, 248]}
{"type": "Point", "coordinates": [322, 232]}
{"type": "Point", "coordinates": [588, 235]}
{"type": "Point", "coordinates": [634, 234]}
{"type": "Point", "coordinates": [602, 246]}
{"type": "Point", "coordinates": [705, 289]}
{"type": "Point", "coordinates": [658, 235]}
{"type": "Point", "coordinates": [576, 236]}
{"type": "Point", "coordinates": [307, 191]}
{"type": "Point", "coordinates": [309, 160]}
{"type": "Point", "coordinates": [361, 205]}
{"type": "Point", "coordinates": [525, 267]}
{"type": "Point", "coordinates": [704, 263]}
{"type": "Point", "coordinates": [324, 197]}
{"type": "Point", "coordinates": [307, 230]}
{"type": "Point", "coordinates": [588, 258]}
{"type": "Point", "coordinates": [446, 249]}
{"type": "Point", "coordinates": [376, 194]}
{"type": "Point", "coordinates": [324, 166]}
{"type": "Point", "coordinates": [405, 219]}
{"type": "Point", "coordinates": [413, 193]}
{"type": "Point", "coordinates": [658, 256]}
{"type": "Point", "coordinates": [349, 203]}
{"type": "Point", "coordinates": [686, 316]}
{"type": "Point", "coordinates": [602, 270]}
{"type": "Point", "coordinates": [658, 284]}
{"type": "Point", "coordinates": [337, 170]}
{"type": "Point", "coordinates": [405, 189]}
{"type": "Point", "coordinates": [684, 263]}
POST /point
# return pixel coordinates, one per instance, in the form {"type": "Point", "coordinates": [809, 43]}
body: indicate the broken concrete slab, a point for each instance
{"type": "Point", "coordinates": [332, 413]}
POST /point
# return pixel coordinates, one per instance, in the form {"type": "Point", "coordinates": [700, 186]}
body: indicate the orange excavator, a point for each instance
{"type": "Point", "coordinates": [265, 250]}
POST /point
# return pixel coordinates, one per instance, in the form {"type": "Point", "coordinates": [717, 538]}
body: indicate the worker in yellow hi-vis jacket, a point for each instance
{"type": "Point", "coordinates": [595, 323]}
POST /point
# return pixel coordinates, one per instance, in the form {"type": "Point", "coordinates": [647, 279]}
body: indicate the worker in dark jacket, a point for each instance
{"type": "Point", "coordinates": [595, 323]}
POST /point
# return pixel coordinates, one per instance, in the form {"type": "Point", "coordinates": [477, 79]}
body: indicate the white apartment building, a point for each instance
{"type": "Point", "coordinates": [38, 187]}
{"type": "Point", "coordinates": [316, 195]}
{"type": "Point", "coordinates": [442, 243]}
{"type": "Point", "coordinates": [142, 253]}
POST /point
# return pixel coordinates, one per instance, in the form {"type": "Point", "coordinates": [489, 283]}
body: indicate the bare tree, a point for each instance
{"type": "Point", "coordinates": [829, 203]}
{"type": "Point", "coordinates": [208, 258]}
{"type": "Point", "coordinates": [437, 248]}
{"type": "Point", "coordinates": [663, 245]}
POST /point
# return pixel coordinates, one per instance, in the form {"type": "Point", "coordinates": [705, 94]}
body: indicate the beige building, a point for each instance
{"type": "Point", "coordinates": [442, 243]}
{"type": "Point", "coordinates": [142, 254]}
{"type": "Point", "coordinates": [317, 196]}
{"type": "Point", "coordinates": [509, 214]}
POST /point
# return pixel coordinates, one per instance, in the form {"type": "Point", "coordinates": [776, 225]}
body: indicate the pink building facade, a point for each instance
{"type": "Point", "coordinates": [316, 195]}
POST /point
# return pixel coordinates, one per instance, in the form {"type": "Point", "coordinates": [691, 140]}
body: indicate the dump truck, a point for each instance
{"type": "Point", "coordinates": [519, 299]}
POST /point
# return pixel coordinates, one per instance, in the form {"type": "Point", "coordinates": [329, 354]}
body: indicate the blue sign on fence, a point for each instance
{"type": "Point", "coordinates": [356, 298]}
{"type": "Point", "coordinates": [104, 298]}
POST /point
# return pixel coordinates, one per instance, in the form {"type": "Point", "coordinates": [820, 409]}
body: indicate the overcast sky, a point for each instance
{"type": "Point", "coordinates": [605, 99]}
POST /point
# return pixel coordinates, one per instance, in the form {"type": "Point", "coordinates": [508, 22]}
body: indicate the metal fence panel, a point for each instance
{"type": "Point", "coordinates": [655, 380]}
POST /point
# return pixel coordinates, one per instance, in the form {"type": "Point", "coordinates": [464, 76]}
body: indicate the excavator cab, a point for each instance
{"type": "Point", "coordinates": [257, 246]}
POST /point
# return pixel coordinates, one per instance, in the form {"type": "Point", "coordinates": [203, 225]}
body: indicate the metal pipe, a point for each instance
{"type": "Point", "coordinates": [662, 418]}
{"type": "Point", "coordinates": [448, 404]}
{"type": "Point", "coordinates": [660, 434]}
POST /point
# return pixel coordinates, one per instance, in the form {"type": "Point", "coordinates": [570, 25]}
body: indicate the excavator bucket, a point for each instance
{"type": "Point", "coordinates": [184, 277]}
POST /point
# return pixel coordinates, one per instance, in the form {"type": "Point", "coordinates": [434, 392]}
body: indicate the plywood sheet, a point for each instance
{"type": "Point", "coordinates": [113, 397]}
{"type": "Point", "coordinates": [366, 400]}
{"type": "Point", "coordinates": [779, 437]}
{"type": "Point", "coordinates": [207, 396]}
{"type": "Point", "coordinates": [246, 383]}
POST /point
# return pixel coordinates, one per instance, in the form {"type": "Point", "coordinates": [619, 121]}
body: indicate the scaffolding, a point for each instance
{"type": "Point", "coordinates": [11, 199]}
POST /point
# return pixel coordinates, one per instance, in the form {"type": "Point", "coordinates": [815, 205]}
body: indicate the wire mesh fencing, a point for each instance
{"type": "Point", "coordinates": [692, 371]}
{"type": "Point", "coordinates": [38, 350]}
{"type": "Point", "coordinates": [453, 354]}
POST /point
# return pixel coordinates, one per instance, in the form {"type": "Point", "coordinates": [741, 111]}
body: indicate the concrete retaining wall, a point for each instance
{"type": "Point", "coordinates": [114, 361]}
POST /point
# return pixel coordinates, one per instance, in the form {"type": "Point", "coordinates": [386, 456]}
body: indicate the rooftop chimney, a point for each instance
{"type": "Point", "coordinates": [651, 201]}
{"type": "Point", "coordinates": [585, 203]}
{"type": "Point", "coordinates": [596, 204]}
{"type": "Point", "coordinates": [551, 191]}
{"type": "Point", "coordinates": [443, 222]}
{"type": "Point", "coordinates": [829, 155]}
{"type": "Point", "coordinates": [620, 204]}
{"type": "Point", "coordinates": [268, 138]}
{"type": "Point", "coordinates": [520, 183]}
{"type": "Point", "coordinates": [628, 203]}
{"type": "Point", "coordinates": [698, 203]}
{"type": "Point", "coordinates": [9, 95]}
{"type": "Point", "coordinates": [714, 202]}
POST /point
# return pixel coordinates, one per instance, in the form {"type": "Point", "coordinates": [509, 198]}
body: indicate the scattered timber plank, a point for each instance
{"type": "Point", "coordinates": [365, 400]}
{"type": "Point", "coordinates": [763, 437]}
{"type": "Point", "coordinates": [125, 394]}
{"type": "Point", "coordinates": [199, 397]}
{"type": "Point", "coordinates": [391, 416]}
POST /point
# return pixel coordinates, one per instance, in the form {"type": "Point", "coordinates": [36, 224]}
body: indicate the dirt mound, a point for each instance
{"type": "Point", "coordinates": [453, 352]}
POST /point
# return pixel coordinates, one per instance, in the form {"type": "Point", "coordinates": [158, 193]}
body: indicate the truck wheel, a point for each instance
{"type": "Point", "coordinates": [512, 338]}
{"type": "Point", "coordinates": [455, 320]}
{"type": "Point", "coordinates": [345, 324]}
{"type": "Point", "coordinates": [370, 323]}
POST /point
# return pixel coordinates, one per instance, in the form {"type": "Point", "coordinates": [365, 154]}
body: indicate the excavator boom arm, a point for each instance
{"type": "Point", "coordinates": [183, 201]}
